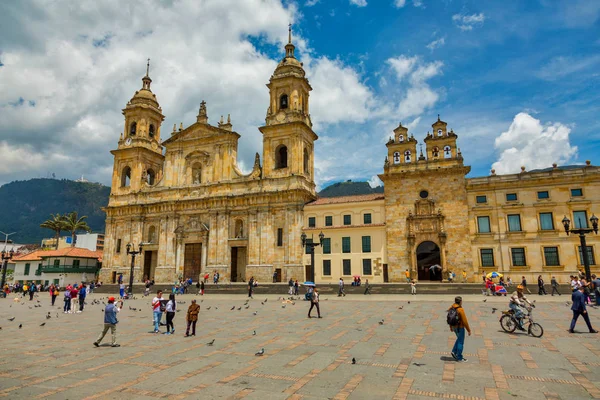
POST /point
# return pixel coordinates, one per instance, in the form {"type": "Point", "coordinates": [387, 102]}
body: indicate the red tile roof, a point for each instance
{"type": "Point", "coordinates": [75, 252]}
{"type": "Point", "coordinates": [347, 199]}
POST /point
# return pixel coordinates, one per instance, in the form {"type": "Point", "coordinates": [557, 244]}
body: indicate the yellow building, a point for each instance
{"type": "Point", "coordinates": [187, 200]}
{"type": "Point", "coordinates": [354, 243]}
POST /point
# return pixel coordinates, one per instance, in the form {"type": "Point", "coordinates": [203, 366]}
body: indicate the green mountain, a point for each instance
{"type": "Point", "coordinates": [24, 205]}
{"type": "Point", "coordinates": [349, 188]}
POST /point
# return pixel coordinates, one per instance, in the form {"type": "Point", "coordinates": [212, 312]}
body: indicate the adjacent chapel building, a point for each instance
{"type": "Point", "coordinates": [185, 198]}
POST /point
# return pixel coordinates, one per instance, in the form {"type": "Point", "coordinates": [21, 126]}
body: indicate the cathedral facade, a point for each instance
{"type": "Point", "coordinates": [186, 200]}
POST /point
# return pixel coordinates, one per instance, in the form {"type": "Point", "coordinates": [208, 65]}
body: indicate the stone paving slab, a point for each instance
{"type": "Point", "coordinates": [406, 357]}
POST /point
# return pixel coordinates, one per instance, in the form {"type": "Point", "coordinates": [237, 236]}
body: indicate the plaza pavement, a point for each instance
{"type": "Point", "coordinates": [405, 358]}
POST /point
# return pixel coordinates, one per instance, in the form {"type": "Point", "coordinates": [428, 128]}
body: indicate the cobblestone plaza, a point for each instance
{"type": "Point", "coordinates": [406, 357]}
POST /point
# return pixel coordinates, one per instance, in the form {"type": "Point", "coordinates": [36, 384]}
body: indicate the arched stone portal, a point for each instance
{"type": "Point", "coordinates": [428, 254]}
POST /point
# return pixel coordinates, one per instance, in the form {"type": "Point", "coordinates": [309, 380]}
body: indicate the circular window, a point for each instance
{"type": "Point", "coordinates": [424, 194]}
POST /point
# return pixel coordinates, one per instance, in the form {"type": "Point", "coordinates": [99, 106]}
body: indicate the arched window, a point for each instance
{"type": "Point", "coordinates": [440, 132]}
{"type": "Point", "coordinates": [281, 155]}
{"type": "Point", "coordinates": [397, 157]}
{"type": "Point", "coordinates": [132, 129]}
{"type": "Point", "coordinates": [306, 161]}
{"type": "Point", "coordinates": [401, 138]}
{"type": "Point", "coordinates": [447, 152]}
{"type": "Point", "coordinates": [151, 131]}
{"type": "Point", "coordinates": [197, 173]}
{"type": "Point", "coordinates": [435, 152]}
{"type": "Point", "coordinates": [150, 177]}
{"type": "Point", "coordinates": [126, 177]}
{"type": "Point", "coordinates": [152, 234]}
{"type": "Point", "coordinates": [239, 228]}
{"type": "Point", "coordinates": [283, 102]}
{"type": "Point", "coordinates": [407, 156]}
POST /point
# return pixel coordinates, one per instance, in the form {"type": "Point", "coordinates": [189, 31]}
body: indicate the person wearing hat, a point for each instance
{"type": "Point", "coordinates": [110, 322]}
{"type": "Point", "coordinates": [518, 302]}
{"type": "Point", "coordinates": [192, 318]}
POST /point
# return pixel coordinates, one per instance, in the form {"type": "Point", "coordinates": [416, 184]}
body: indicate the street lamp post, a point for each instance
{"type": "Point", "coordinates": [133, 253]}
{"type": "Point", "coordinates": [6, 255]}
{"type": "Point", "coordinates": [581, 232]}
{"type": "Point", "coordinates": [311, 246]}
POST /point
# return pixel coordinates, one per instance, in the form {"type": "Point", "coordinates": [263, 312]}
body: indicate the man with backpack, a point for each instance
{"type": "Point", "coordinates": [457, 319]}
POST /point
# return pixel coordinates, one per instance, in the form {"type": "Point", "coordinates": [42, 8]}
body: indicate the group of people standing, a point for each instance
{"type": "Point", "coordinates": [73, 296]}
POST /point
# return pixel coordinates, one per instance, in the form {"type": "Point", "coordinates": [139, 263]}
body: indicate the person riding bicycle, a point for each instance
{"type": "Point", "coordinates": [519, 304]}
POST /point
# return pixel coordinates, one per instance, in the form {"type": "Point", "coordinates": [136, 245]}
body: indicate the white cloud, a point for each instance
{"type": "Point", "coordinates": [561, 66]}
{"type": "Point", "coordinates": [468, 22]}
{"type": "Point", "coordinates": [436, 43]}
{"type": "Point", "coordinates": [402, 65]}
{"type": "Point", "coordinates": [399, 3]}
{"type": "Point", "coordinates": [359, 3]}
{"type": "Point", "coordinates": [533, 145]}
{"type": "Point", "coordinates": [310, 3]}
{"type": "Point", "coordinates": [375, 181]}
{"type": "Point", "coordinates": [418, 3]}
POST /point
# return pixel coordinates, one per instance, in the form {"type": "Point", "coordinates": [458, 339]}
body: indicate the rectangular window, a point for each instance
{"type": "Point", "coordinates": [511, 197]}
{"type": "Point", "coordinates": [57, 263]}
{"type": "Point", "coordinates": [580, 219]}
{"type": "Point", "coordinates": [312, 222]}
{"type": "Point", "coordinates": [346, 267]}
{"type": "Point", "coordinates": [76, 263]}
{"type": "Point", "coordinates": [326, 245]}
{"type": "Point", "coordinates": [329, 220]}
{"type": "Point", "coordinates": [487, 257]}
{"type": "Point", "coordinates": [543, 194]}
{"type": "Point", "coordinates": [367, 267]}
{"type": "Point", "coordinates": [546, 222]}
{"type": "Point", "coordinates": [483, 224]}
{"type": "Point", "coordinates": [118, 248]}
{"type": "Point", "coordinates": [279, 237]}
{"type": "Point", "coordinates": [308, 246]}
{"type": "Point", "coordinates": [326, 267]}
{"type": "Point", "coordinates": [514, 223]}
{"type": "Point", "coordinates": [346, 245]}
{"type": "Point", "coordinates": [367, 219]}
{"type": "Point", "coordinates": [551, 256]}
{"type": "Point", "coordinates": [576, 192]}
{"type": "Point", "coordinates": [347, 219]}
{"type": "Point", "coordinates": [481, 199]}
{"type": "Point", "coordinates": [518, 257]}
{"type": "Point", "coordinates": [590, 252]}
{"type": "Point", "coordinates": [56, 281]}
{"type": "Point", "coordinates": [366, 244]}
{"type": "Point", "coordinates": [27, 266]}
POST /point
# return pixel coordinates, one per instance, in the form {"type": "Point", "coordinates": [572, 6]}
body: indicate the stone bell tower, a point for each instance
{"type": "Point", "coordinates": [138, 157]}
{"type": "Point", "coordinates": [288, 138]}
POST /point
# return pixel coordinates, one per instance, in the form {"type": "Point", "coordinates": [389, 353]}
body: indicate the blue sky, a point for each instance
{"type": "Point", "coordinates": [516, 80]}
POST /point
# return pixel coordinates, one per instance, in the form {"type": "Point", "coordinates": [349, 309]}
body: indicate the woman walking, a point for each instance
{"type": "Point", "coordinates": [171, 309]}
{"type": "Point", "coordinates": [157, 310]}
{"type": "Point", "coordinates": [53, 293]}
{"type": "Point", "coordinates": [541, 289]}
{"type": "Point", "coordinates": [67, 300]}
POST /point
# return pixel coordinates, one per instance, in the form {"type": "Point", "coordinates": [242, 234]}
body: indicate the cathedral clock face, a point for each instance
{"type": "Point", "coordinates": [280, 116]}
{"type": "Point", "coordinates": [128, 141]}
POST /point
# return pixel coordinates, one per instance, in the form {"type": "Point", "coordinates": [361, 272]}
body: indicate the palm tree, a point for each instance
{"type": "Point", "coordinates": [74, 223]}
{"type": "Point", "coordinates": [56, 223]}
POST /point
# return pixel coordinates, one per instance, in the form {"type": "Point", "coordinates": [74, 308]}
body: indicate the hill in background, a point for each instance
{"type": "Point", "coordinates": [349, 188]}
{"type": "Point", "coordinates": [24, 205]}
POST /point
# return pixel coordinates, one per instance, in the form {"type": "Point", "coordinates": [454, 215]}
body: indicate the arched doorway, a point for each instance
{"type": "Point", "coordinates": [428, 254]}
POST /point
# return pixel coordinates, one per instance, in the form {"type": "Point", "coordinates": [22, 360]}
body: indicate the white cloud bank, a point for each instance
{"type": "Point", "coordinates": [359, 3]}
{"type": "Point", "coordinates": [533, 145]}
{"type": "Point", "coordinates": [468, 22]}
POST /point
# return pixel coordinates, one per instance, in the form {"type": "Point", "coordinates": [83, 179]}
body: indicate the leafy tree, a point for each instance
{"type": "Point", "coordinates": [74, 223]}
{"type": "Point", "coordinates": [56, 223]}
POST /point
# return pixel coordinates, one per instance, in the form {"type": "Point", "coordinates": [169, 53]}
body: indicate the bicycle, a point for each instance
{"type": "Point", "coordinates": [509, 323]}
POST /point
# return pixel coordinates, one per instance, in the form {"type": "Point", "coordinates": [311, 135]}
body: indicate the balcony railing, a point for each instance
{"type": "Point", "coordinates": [69, 268]}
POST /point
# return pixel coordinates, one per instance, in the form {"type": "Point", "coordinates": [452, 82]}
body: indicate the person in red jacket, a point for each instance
{"type": "Point", "coordinates": [74, 293]}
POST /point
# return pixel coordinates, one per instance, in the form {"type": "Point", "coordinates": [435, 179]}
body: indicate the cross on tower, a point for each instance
{"type": "Point", "coordinates": [148, 67]}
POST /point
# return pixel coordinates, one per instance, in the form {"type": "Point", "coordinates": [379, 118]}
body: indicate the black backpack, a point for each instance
{"type": "Point", "coordinates": [452, 318]}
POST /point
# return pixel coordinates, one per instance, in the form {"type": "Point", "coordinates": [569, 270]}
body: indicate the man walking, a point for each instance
{"type": "Point", "coordinates": [250, 287]}
{"type": "Point", "coordinates": [314, 302]}
{"type": "Point", "coordinates": [110, 322]}
{"type": "Point", "coordinates": [554, 285]}
{"type": "Point", "coordinates": [457, 319]}
{"type": "Point", "coordinates": [596, 287]}
{"type": "Point", "coordinates": [367, 287]}
{"type": "Point", "coordinates": [578, 308]}
{"type": "Point", "coordinates": [291, 287]}
{"type": "Point", "coordinates": [524, 284]}
{"type": "Point", "coordinates": [192, 318]}
{"type": "Point", "coordinates": [341, 288]}
{"type": "Point", "coordinates": [82, 294]}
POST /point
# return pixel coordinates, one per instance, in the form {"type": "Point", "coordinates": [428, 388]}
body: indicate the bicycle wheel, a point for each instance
{"type": "Point", "coordinates": [508, 323]}
{"type": "Point", "coordinates": [536, 330]}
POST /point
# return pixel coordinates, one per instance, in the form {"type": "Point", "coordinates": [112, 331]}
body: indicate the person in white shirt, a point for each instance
{"type": "Point", "coordinates": [157, 310]}
{"type": "Point", "coordinates": [171, 309]}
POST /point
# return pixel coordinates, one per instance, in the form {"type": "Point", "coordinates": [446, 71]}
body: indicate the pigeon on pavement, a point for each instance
{"type": "Point", "coordinates": [254, 333]}
{"type": "Point", "coordinates": [353, 360]}
{"type": "Point", "coordinates": [261, 352]}
{"type": "Point", "coordinates": [20, 326]}
{"type": "Point", "coordinates": [232, 308]}
{"type": "Point", "coordinates": [211, 342]}
{"type": "Point", "coordinates": [12, 319]}
{"type": "Point", "coordinates": [43, 324]}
